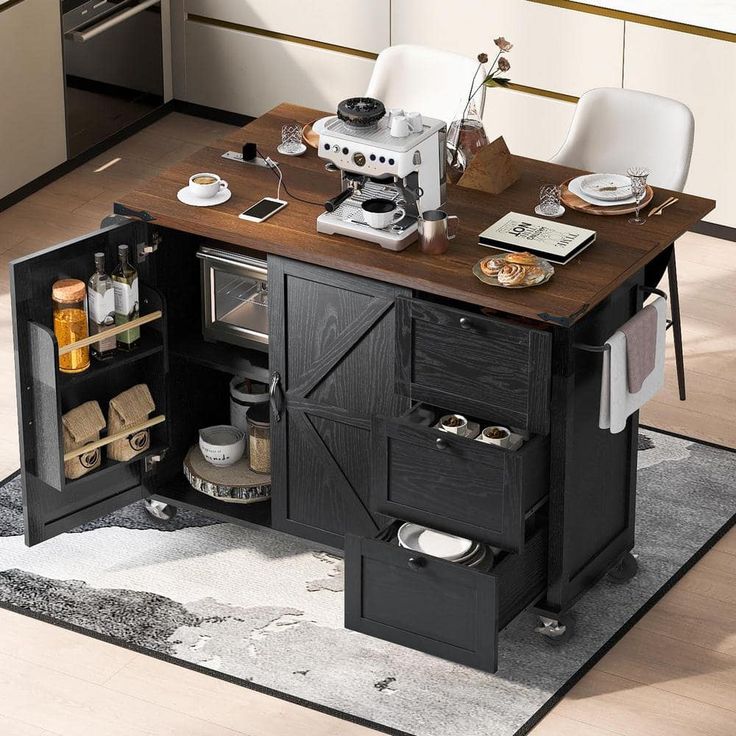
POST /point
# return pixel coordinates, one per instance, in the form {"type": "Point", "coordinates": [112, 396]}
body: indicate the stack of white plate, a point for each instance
{"type": "Point", "coordinates": [438, 544]}
{"type": "Point", "coordinates": [603, 190]}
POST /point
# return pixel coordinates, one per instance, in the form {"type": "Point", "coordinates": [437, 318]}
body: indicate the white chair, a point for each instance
{"type": "Point", "coordinates": [434, 82]}
{"type": "Point", "coordinates": [613, 129]}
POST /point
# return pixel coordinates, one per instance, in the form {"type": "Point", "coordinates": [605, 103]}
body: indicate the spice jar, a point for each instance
{"type": "Point", "coordinates": [69, 297]}
{"type": "Point", "coordinates": [259, 438]}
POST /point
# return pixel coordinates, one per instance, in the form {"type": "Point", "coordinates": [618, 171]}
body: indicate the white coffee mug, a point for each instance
{"type": "Point", "coordinates": [458, 424]}
{"type": "Point", "coordinates": [205, 185]}
{"type": "Point", "coordinates": [380, 213]}
{"type": "Point", "coordinates": [485, 436]}
{"type": "Point", "coordinates": [415, 121]}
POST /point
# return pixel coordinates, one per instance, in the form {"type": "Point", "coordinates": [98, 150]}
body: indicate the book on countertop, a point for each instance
{"type": "Point", "coordinates": [556, 241]}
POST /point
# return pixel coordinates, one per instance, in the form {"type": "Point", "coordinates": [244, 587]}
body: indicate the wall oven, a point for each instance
{"type": "Point", "coordinates": [113, 67]}
{"type": "Point", "coordinates": [234, 298]}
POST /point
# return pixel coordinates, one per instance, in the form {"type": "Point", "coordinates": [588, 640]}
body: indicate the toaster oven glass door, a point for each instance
{"type": "Point", "coordinates": [235, 296]}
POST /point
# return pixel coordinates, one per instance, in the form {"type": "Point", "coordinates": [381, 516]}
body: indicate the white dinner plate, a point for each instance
{"type": "Point", "coordinates": [430, 542]}
{"type": "Point", "coordinates": [606, 187]}
{"type": "Point", "coordinates": [184, 195]}
{"type": "Point", "coordinates": [574, 186]}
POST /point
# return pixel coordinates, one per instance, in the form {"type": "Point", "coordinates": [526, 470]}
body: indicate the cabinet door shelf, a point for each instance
{"type": "Point", "coordinates": [152, 422]}
{"type": "Point", "coordinates": [117, 330]}
{"type": "Point", "coordinates": [150, 344]}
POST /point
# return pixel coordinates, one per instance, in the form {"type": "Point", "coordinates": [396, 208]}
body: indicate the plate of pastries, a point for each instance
{"type": "Point", "coordinates": [513, 270]}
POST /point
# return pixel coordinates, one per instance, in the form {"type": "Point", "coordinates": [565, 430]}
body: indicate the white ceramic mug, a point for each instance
{"type": "Point", "coordinates": [401, 126]}
{"type": "Point", "coordinates": [415, 121]}
{"type": "Point", "coordinates": [380, 213]}
{"type": "Point", "coordinates": [459, 428]}
{"type": "Point", "coordinates": [205, 185]}
{"type": "Point", "coordinates": [500, 441]}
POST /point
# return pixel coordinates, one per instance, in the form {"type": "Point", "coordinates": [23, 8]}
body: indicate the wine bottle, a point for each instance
{"type": "Point", "coordinates": [125, 283]}
{"type": "Point", "coordinates": [101, 301]}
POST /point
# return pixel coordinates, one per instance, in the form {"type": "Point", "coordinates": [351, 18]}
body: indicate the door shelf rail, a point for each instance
{"type": "Point", "coordinates": [117, 330]}
{"type": "Point", "coordinates": [152, 422]}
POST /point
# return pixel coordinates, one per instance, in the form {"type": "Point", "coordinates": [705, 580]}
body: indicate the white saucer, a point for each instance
{"type": "Point", "coordinates": [297, 152]}
{"type": "Point", "coordinates": [574, 186]}
{"type": "Point", "coordinates": [437, 544]}
{"type": "Point", "coordinates": [183, 195]}
{"type": "Point", "coordinates": [559, 213]}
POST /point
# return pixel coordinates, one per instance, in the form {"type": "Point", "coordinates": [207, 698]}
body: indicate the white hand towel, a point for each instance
{"type": "Point", "coordinates": [617, 404]}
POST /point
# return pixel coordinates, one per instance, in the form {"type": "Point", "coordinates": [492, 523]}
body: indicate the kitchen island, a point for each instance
{"type": "Point", "coordinates": [361, 340]}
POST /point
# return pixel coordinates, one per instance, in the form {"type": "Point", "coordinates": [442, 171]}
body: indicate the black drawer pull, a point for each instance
{"type": "Point", "coordinates": [465, 323]}
{"type": "Point", "coordinates": [441, 443]}
{"type": "Point", "coordinates": [417, 563]}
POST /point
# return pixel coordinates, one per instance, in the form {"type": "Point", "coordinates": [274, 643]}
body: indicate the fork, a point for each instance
{"type": "Point", "coordinates": [658, 209]}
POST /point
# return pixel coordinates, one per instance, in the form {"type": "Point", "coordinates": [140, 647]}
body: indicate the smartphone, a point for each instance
{"type": "Point", "coordinates": [262, 210]}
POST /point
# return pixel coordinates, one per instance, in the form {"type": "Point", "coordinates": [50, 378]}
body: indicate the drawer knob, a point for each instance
{"type": "Point", "coordinates": [417, 563]}
{"type": "Point", "coordinates": [441, 443]}
{"type": "Point", "coordinates": [465, 323]}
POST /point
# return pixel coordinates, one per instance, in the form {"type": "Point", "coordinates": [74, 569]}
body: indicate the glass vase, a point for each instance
{"type": "Point", "coordinates": [464, 138]}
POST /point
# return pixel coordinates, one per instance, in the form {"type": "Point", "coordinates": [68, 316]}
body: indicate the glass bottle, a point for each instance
{"type": "Point", "coordinates": [101, 301]}
{"type": "Point", "coordinates": [125, 285]}
{"type": "Point", "coordinates": [69, 297]}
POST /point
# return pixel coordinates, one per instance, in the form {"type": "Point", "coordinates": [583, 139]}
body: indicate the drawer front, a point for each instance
{"type": "Point", "coordinates": [439, 608]}
{"type": "Point", "coordinates": [457, 485]}
{"type": "Point", "coordinates": [475, 364]}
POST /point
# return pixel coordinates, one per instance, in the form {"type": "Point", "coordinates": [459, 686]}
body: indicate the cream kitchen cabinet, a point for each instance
{"type": "Point", "coordinates": [701, 72]}
{"type": "Point", "coordinates": [554, 49]}
{"type": "Point", "coordinates": [32, 127]}
{"type": "Point", "coordinates": [531, 125]}
{"type": "Point", "coordinates": [248, 73]}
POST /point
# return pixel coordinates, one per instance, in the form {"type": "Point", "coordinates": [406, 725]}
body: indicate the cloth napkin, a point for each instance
{"type": "Point", "coordinates": [618, 403]}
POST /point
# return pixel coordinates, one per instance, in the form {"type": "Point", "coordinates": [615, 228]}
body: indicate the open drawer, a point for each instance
{"type": "Point", "coordinates": [474, 363]}
{"type": "Point", "coordinates": [456, 484]}
{"type": "Point", "coordinates": [439, 607]}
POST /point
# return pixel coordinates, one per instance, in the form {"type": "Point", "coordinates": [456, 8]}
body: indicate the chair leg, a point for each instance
{"type": "Point", "coordinates": [676, 322]}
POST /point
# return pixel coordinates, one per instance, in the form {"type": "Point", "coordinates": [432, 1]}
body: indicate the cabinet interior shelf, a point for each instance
{"type": "Point", "coordinates": [237, 361]}
{"type": "Point", "coordinates": [117, 330]}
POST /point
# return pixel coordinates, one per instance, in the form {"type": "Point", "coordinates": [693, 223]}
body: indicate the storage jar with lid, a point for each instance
{"type": "Point", "coordinates": [244, 395]}
{"type": "Point", "coordinates": [69, 297]}
{"type": "Point", "coordinates": [259, 438]}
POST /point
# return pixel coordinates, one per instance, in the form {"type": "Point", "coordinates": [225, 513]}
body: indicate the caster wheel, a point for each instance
{"type": "Point", "coordinates": [626, 568]}
{"type": "Point", "coordinates": [160, 510]}
{"type": "Point", "coordinates": [556, 631]}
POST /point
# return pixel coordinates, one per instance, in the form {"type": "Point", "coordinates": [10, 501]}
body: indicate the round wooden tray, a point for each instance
{"type": "Point", "coordinates": [309, 136]}
{"type": "Point", "coordinates": [235, 483]}
{"type": "Point", "coordinates": [576, 203]}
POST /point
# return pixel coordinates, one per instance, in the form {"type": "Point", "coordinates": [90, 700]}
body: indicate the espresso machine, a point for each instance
{"type": "Point", "coordinates": [380, 157]}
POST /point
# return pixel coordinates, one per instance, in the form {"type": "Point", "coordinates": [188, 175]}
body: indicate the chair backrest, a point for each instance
{"type": "Point", "coordinates": [431, 81]}
{"type": "Point", "coordinates": [614, 129]}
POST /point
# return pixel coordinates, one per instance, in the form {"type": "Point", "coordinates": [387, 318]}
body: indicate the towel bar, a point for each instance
{"type": "Point", "coordinates": [606, 348]}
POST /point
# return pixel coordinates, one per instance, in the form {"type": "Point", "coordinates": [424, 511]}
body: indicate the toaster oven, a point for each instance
{"type": "Point", "coordinates": [234, 298]}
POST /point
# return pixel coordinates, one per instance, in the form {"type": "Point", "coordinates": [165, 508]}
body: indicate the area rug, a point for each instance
{"type": "Point", "coordinates": [266, 609]}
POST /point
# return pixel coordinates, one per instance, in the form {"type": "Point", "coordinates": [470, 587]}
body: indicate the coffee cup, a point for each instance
{"type": "Point", "coordinates": [496, 435]}
{"type": "Point", "coordinates": [380, 213]}
{"type": "Point", "coordinates": [415, 121]}
{"type": "Point", "coordinates": [205, 185]}
{"type": "Point", "coordinates": [454, 423]}
{"type": "Point", "coordinates": [401, 126]}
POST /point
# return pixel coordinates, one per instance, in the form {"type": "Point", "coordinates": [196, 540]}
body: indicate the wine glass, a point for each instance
{"type": "Point", "coordinates": [638, 178]}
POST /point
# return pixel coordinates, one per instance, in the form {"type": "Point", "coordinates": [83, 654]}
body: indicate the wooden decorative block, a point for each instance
{"type": "Point", "coordinates": [491, 170]}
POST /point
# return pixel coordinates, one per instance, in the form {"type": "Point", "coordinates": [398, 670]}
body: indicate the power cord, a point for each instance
{"type": "Point", "coordinates": [276, 169]}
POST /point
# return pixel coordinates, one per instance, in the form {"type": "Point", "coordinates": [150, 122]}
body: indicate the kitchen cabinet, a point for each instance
{"type": "Point", "coordinates": [32, 127]}
{"type": "Point", "coordinates": [230, 68]}
{"type": "Point", "coordinates": [332, 353]}
{"type": "Point", "coordinates": [701, 72]}
{"type": "Point", "coordinates": [554, 49]}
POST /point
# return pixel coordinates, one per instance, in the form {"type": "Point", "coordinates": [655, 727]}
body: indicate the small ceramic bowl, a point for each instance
{"type": "Point", "coordinates": [222, 445]}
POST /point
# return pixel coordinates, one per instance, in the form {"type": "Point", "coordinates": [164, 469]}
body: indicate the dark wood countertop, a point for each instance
{"type": "Point", "coordinates": [620, 251]}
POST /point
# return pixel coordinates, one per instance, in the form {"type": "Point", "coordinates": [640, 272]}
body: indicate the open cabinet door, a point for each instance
{"type": "Point", "coordinates": [52, 503]}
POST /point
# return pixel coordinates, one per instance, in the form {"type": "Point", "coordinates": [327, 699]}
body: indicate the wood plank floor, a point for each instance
{"type": "Point", "coordinates": [673, 674]}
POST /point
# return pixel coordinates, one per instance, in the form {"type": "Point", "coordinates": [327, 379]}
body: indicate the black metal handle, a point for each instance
{"type": "Point", "coordinates": [276, 396]}
{"type": "Point", "coordinates": [465, 323]}
{"type": "Point", "coordinates": [332, 204]}
{"type": "Point", "coordinates": [417, 563]}
{"type": "Point", "coordinates": [441, 443]}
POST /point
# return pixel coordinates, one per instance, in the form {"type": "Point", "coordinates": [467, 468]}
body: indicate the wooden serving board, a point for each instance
{"type": "Point", "coordinates": [235, 483]}
{"type": "Point", "coordinates": [576, 203]}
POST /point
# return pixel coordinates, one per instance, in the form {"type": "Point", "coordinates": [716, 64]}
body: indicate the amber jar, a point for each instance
{"type": "Point", "coordinates": [69, 297]}
{"type": "Point", "coordinates": [259, 438]}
